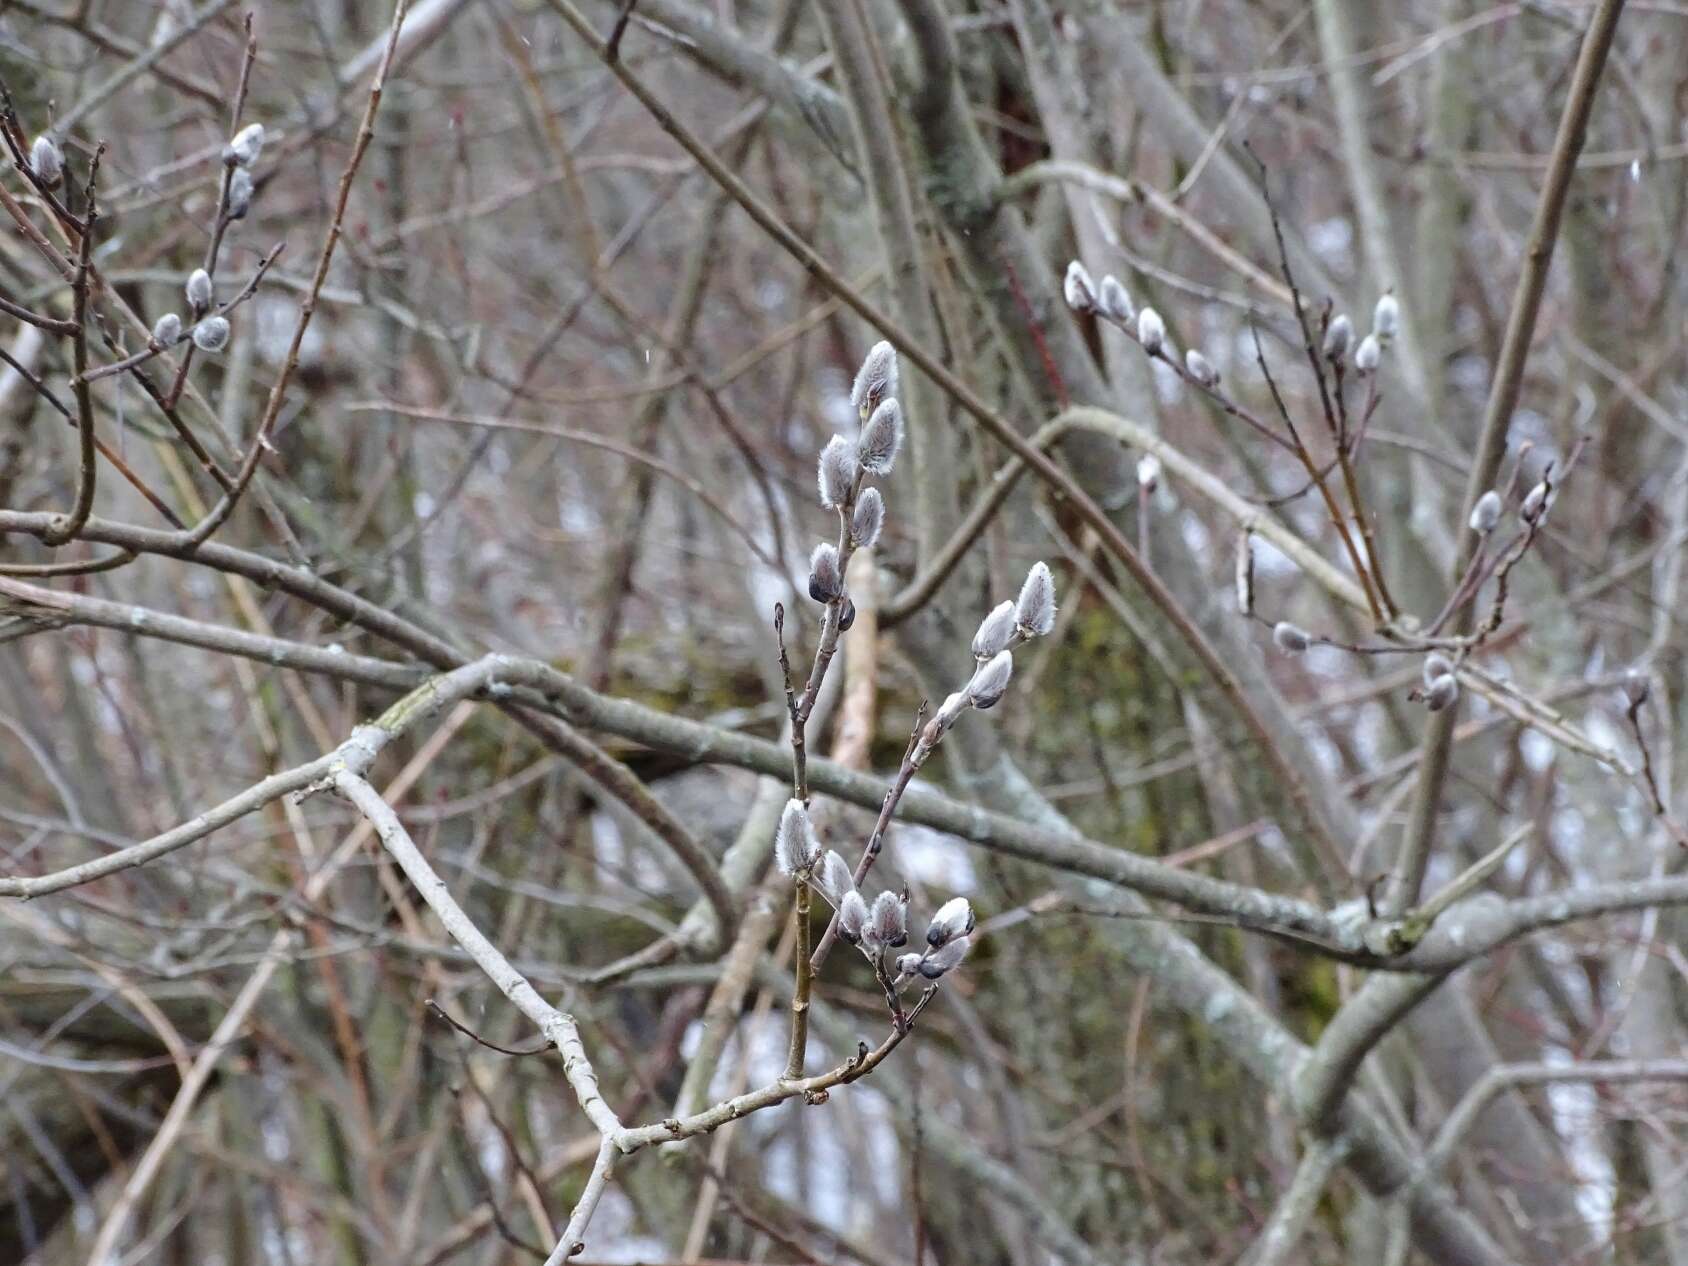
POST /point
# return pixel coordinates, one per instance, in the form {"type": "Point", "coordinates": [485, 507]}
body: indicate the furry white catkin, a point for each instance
{"type": "Point", "coordinates": [796, 847]}
{"type": "Point", "coordinates": [876, 380]}
{"type": "Point", "coordinates": [1339, 336]}
{"type": "Point", "coordinates": [1079, 290]}
{"type": "Point", "coordinates": [198, 290]}
{"type": "Point", "coordinates": [876, 450]}
{"type": "Point", "coordinates": [46, 160]}
{"type": "Point", "coordinates": [1291, 638]}
{"type": "Point", "coordinates": [990, 681]}
{"type": "Point", "coordinates": [211, 334]}
{"type": "Point", "coordinates": [826, 581]}
{"type": "Point", "coordinates": [1200, 368]}
{"type": "Point", "coordinates": [1151, 331]}
{"type": "Point", "coordinates": [1115, 303]}
{"type": "Point", "coordinates": [245, 146]}
{"type": "Point", "coordinates": [1035, 611]}
{"type": "Point", "coordinates": [836, 473]}
{"type": "Point", "coordinates": [868, 518]}
{"type": "Point", "coordinates": [996, 632]}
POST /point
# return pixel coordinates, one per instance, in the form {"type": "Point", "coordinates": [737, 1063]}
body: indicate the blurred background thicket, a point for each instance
{"type": "Point", "coordinates": [530, 265]}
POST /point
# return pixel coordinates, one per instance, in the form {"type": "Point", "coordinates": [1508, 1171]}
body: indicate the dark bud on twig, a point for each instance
{"type": "Point", "coordinates": [954, 918]}
{"type": "Point", "coordinates": [1035, 611]}
{"type": "Point", "coordinates": [240, 193]}
{"type": "Point", "coordinates": [876, 381]}
{"type": "Point", "coordinates": [1368, 354]}
{"type": "Point", "coordinates": [881, 437]}
{"type": "Point", "coordinates": [826, 582]}
{"type": "Point", "coordinates": [211, 334]}
{"type": "Point", "coordinates": [1441, 692]}
{"type": "Point", "coordinates": [167, 329]}
{"type": "Point", "coordinates": [996, 633]}
{"type": "Point", "coordinates": [1245, 573]}
{"type": "Point", "coordinates": [867, 519]}
{"type": "Point", "coordinates": [852, 917]}
{"type": "Point", "coordinates": [1291, 639]}
{"type": "Point", "coordinates": [990, 681]}
{"type": "Point", "coordinates": [1486, 513]}
{"type": "Point", "coordinates": [199, 290]}
{"type": "Point", "coordinates": [796, 847]}
{"type": "Point", "coordinates": [1079, 290]}
{"type": "Point", "coordinates": [1151, 331]}
{"type": "Point", "coordinates": [846, 616]}
{"type": "Point", "coordinates": [1637, 686]}
{"type": "Point", "coordinates": [245, 146]}
{"type": "Point", "coordinates": [1114, 302]}
{"type": "Point", "coordinates": [1339, 336]}
{"type": "Point", "coordinates": [1436, 665]}
{"type": "Point", "coordinates": [836, 473]}
{"type": "Point", "coordinates": [47, 161]}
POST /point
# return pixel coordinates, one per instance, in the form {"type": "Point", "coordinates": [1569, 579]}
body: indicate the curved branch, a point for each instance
{"type": "Point", "coordinates": [1504, 1077]}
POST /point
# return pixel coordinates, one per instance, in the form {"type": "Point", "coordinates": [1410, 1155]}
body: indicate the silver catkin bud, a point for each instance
{"type": "Point", "coordinates": [1148, 473]}
{"type": "Point", "coordinates": [908, 965]}
{"type": "Point", "coordinates": [1035, 611]}
{"type": "Point", "coordinates": [1114, 302]}
{"type": "Point", "coordinates": [835, 878]}
{"type": "Point", "coordinates": [990, 680]}
{"type": "Point", "coordinates": [881, 437]}
{"type": "Point", "coordinates": [1339, 337]}
{"type": "Point", "coordinates": [796, 847]}
{"type": "Point", "coordinates": [211, 334]}
{"type": "Point", "coordinates": [876, 380]}
{"type": "Point", "coordinates": [1441, 692]}
{"type": "Point", "coordinates": [1245, 573]}
{"type": "Point", "coordinates": [1368, 354]}
{"type": "Point", "coordinates": [852, 916]}
{"type": "Point", "coordinates": [1200, 368]}
{"type": "Point", "coordinates": [826, 581]}
{"type": "Point", "coordinates": [836, 473]}
{"type": "Point", "coordinates": [240, 193]}
{"type": "Point", "coordinates": [946, 959]}
{"type": "Point", "coordinates": [1079, 290]}
{"type": "Point", "coordinates": [167, 329]}
{"type": "Point", "coordinates": [1535, 502]}
{"type": "Point", "coordinates": [890, 920]}
{"type": "Point", "coordinates": [46, 160]}
{"type": "Point", "coordinates": [868, 518]}
{"type": "Point", "coordinates": [1151, 331]}
{"type": "Point", "coordinates": [996, 632]}
{"type": "Point", "coordinates": [1436, 665]}
{"type": "Point", "coordinates": [1386, 318]}
{"type": "Point", "coordinates": [199, 290]}
{"type": "Point", "coordinates": [1486, 513]}
{"type": "Point", "coordinates": [1637, 686]}
{"type": "Point", "coordinates": [954, 918]}
{"type": "Point", "coordinates": [1290, 638]}
{"type": "Point", "coordinates": [245, 146]}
